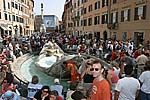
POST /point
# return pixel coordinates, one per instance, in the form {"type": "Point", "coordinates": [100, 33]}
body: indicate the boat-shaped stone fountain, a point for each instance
{"type": "Point", "coordinates": [51, 59]}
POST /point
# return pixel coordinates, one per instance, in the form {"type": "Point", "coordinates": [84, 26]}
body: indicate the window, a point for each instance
{"type": "Point", "coordinates": [140, 13]}
{"type": "Point", "coordinates": [84, 10]}
{"type": "Point", "coordinates": [78, 14]}
{"type": "Point", "coordinates": [125, 15]}
{"type": "Point", "coordinates": [85, 22]}
{"type": "Point", "coordinates": [12, 4]}
{"type": "Point", "coordinates": [114, 1]}
{"type": "Point", "coordinates": [138, 38]}
{"type": "Point", "coordinates": [16, 6]}
{"type": "Point", "coordinates": [22, 9]}
{"type": "Point", "coordinates": [89, 21]}
{"type": "Point", "coordinates": [8, 5]}
{"type": "Point", "coordinates": [78, 2]}
{"type": "Point", "coordinates": [5, 16]}
{"type": "Point", "coordinates": [17, 19]}
{"type": "Point", "coordinates": [114, 17]}
{"type": "Point", "coordinates": [81, 22]}
{"type": "Point", "coordinates": [78, 23]}
{"type": "Point", "coordinates": [104, 3]}
{"type": "Point", "coordinates": [32, 16]}
{"type": "Point", "coordinates": [104, 19]}
{"type": "Point", "coordinates": [83, 1]}
{"type": "Point", "coordinates": [96, 20]}
{"type": "Point", "coordinates": [9, 17]}
{"type": "Point", "coordinates": [0, 16]}
{"type": "Point", "coordinates": [19, 7]}
{"type": "Point", "coordinates": [124, 36]}
{"type": "Point", "coordinates": [21, 20]}
{"type": "Point", "coordinates": [74, 23]}
{"type": "Point", "coordinates": [90, 8]}
{"type": "Point", "coordinates": [28, 3]}
{"type": "Point", "coordinates": [4, 4]}
{"type": "Point", "coordinates": [114, 35]}
{"type": "Point", "coordinates": [74, 5]}
{"type": "Point", "coordinates": [13, 17]}
{"type": "Point", "coordinates": [71, 24]}
{"type": "Point", "coordinates": [97, 5]}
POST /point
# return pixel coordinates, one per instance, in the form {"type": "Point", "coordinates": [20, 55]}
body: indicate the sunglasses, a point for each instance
{"type": "Point", "coordinates": [46, 91]}
{"type": "Point", "coordinates": [4, 82]}
{"type": "Point", "coordinates": [96, 69]}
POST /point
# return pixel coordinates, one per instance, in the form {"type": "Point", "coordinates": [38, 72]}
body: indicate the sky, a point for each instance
{"type": "Point", "coordinates": [51, 7]}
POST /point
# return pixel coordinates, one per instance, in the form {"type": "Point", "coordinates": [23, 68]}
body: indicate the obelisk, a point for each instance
{"type": "Point", "coordinates": [42, 28]}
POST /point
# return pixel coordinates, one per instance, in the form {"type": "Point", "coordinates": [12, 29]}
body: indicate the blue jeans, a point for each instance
{"type": "Point", "coordinates": [144, 96]}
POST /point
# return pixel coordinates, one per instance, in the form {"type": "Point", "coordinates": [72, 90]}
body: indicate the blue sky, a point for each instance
{"type": "Point", "coordinates": [51, 7]}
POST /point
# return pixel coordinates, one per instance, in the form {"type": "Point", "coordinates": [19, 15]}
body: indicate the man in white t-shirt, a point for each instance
{"type": "Point", "coordinates": [33, 87]}
{"type": "Point", "coordinates": [145, 80]}
{"type": "Point", "coordinates": [128, 87]}
{"type": "Point", "coordinates": [57, 87]}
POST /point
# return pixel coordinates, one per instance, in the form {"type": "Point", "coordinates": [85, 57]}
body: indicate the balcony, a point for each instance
{"type": "Point", "coordinates": [75, 18]}
{"type": "Point", "coordinates": [113, 26]}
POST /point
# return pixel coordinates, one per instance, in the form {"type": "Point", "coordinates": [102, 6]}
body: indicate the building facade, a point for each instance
{"type": "Point", "coordinates": [51, 22]}
{"type": "Point", "coordinates": [116, 19]}
{"type": "Point", "coordinates": [16, 17]}
{"type": "Point", "coordinates": [67, 23]}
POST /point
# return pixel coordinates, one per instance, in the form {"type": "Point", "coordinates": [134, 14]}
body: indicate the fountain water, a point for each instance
{"type": "Point", "coordinates": [28, 69]}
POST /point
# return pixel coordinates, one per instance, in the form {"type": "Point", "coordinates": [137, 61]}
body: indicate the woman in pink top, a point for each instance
{"type": "Point", "coordinates": [7, 86]}
{"type": "Point", "coordinates": [112, 78]}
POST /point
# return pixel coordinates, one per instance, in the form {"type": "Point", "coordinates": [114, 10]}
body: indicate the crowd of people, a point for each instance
{"type": "Point", "coordinates": [127, 79]}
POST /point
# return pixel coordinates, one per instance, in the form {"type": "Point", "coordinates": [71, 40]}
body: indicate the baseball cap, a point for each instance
{"type": "Point", "coordinates": [8, 94]}
{"type": "Point", "coordinates": [56, 80]}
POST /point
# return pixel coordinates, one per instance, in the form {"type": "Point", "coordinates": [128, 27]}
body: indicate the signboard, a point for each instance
{"type": "Point", "coordinates": [49, 22]}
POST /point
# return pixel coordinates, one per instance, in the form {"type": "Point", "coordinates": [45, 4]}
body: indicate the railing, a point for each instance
{"type": "Point", "coordinates": [20, 81]}
{"type": "Point", "coordinates": [105, 64]}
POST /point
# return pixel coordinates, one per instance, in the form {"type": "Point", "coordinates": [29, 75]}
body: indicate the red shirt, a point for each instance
{"type": "Point", "coordinates": [101, 90]}
{"type": "Point", "coordinates": [137, 53]}
{"type": "Point", "coordinates": [59, 98]}
{"type": "Point", "coordinates": [73, 70]}
{"type": "Point", "coordinates": [114, 55]}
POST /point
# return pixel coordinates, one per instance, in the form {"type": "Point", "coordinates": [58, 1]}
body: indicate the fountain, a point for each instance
{"type": "Point", "coordinates": [49, 55]}
{"type": "Point", "coordinates": [51, 58]}
{"type": "Point", "coordinates": [48, 65]}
